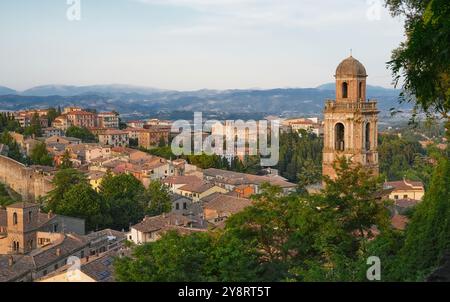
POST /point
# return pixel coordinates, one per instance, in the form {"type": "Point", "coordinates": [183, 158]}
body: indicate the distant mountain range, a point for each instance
{"type": "Point", "coordinates": [136, 102]}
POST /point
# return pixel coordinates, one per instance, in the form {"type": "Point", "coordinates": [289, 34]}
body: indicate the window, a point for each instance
{"type": "Point", "coordinates": [405, 196]}
{"type": "Point", "coordinates": [177, 206]}
{"type": "Point", "coordinates": [339, 137]}
{"type": "Point", "coordinates": [30, 216]}
{"type": "Point", "coordinates": [395, 196]}
{"type": "Point", "coordinates": [15, 219]}
{"type": "Point", "coordinates": [360, 87]}
{"type": "Point", "coordinates": [367, 143]}
{"type": "Point", "coordinates": [345, 90]}
{"type": "Point", "coordinates": [184, 206]}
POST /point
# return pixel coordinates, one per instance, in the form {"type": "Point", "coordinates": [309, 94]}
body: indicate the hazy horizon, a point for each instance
{"type": "Point", "coordinates": [190, 45]}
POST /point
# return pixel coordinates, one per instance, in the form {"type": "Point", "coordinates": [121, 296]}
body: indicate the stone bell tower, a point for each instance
{"type": "Point", "coordinates": [351, 121]}
{"type": "Point", "coordinates": [22, 224]}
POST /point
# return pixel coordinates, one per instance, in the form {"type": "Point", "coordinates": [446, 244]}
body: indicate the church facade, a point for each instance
{"type": "Point", "coordinates": [351, 121]}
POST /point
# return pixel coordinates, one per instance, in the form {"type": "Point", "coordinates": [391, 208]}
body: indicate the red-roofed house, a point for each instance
{"type": "Point", "coordinates": [406, 189]}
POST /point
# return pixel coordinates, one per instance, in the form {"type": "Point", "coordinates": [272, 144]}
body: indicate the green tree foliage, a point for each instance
{"type": "Point", "coordinates": [63, 181]}
{"type": "Point", "coordinates": [301, 157]}
{"type": "Point", "coordinates": [279, 238]}
{"type": "Point", "coordinates": [13, 147]}
{"type": "Point", "coordinates": [82, 201]}
{"type": "Point", "coordinates": [82, 133]}
{"type": "Point", "coordinates": [35, 128]}
{"type": "Point", "coordinates": [164, 152]}
{"type": "Point", "coordinates": [5, 198]}
{"type": "Point", "coordinates": [428, 234]}
{"type": "Point", "coordinates": [398, 156]}
{"type": "Point", "coordinates": [66, 163]}
{"type": "Point", "coordinates": [422, 62]}
{"type": "Point", "coordinates": [40, 156]}
{"type": "Point", "coordinates": [201, 257]}
{"type": "Point", "coordinates": [157, 198]}
{"type": "Point", "coordinates": [52, 114]}
{"type": "Point", "coordinates": [123, 195]}
{"type": "Point", "coordinates": [205, 161]}
{"type": "Point", "coordinates": [8, 123]}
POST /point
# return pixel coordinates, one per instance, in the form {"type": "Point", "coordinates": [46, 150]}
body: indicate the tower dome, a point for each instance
{"type": "Point", "coordinates": [351, 67]}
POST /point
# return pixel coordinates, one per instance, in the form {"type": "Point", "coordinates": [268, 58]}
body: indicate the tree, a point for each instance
{"type": "Point", "coordinates": [300, 152]}
{"type": "Point", "coordinates": [66, 163]}
{"type": "Point", "coordinates": [162, 142]}
{"type": "Point", "coordinates": [40, 156]}
{"type": "Point", "coordinates": [428, 234]}
{"type": "Point", "coordinates": [82, 133]}
{"type": "Point", "coordinates": [123, 195]}
{"type": "Point", "coordinates": [5, 198]}
{"type": "Point", "coordinates": [157, 198]}
{"type": "Point", "coordinates": [52, 114]}
{"type": "Point", "coordinates": [13, 147]}
{"type": "Point", "coordinates": [422, 62]}
{"type": "Point", "coordinates": [200, 257]}
{"type": "Point", "coordinates": [62, 182]}
{"type": "Point", "coordinates": [35, 128]}
{"type": "Point", "coordinates": [83, 202]}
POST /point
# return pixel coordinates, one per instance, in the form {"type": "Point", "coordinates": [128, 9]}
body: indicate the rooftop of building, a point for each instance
{"type": "Point", "coordinates": [236, 178]}
{"type": "Point", "coordinates": [226, 204]}
{"type": "Point", "coordinates": [405, 185]}
{"type": "Point", "coordinates": [158, 223]}
{"type": "Point", "coordinates": [351, 67]}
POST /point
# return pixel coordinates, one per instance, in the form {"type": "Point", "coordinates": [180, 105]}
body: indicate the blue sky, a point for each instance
{"type": "Point", "coordinates": [193, 44]}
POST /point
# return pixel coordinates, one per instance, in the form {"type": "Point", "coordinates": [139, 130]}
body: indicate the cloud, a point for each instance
{"type": "Point", "coordinates": [217, 15]}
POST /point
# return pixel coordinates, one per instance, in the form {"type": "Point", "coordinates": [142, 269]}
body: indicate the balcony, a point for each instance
{"type": "Point", "coordinates": [333, 106]}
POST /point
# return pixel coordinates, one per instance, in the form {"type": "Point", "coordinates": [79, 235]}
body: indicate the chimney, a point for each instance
{"type": "Point", "coordinates": [11, 261]}
{"type": "Point", "coordinates": [58, 252]}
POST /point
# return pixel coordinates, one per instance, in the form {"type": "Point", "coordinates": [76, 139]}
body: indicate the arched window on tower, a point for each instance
{"type": "Point", "coordinates": [339, 137]}
{"type": "Point", "coordinates": [367, 143]}
{"type": "Point", "coordinates": [345, 90]}
{"type": "Point", "coordinates": [360, 90]}
{"type": "Point", "coordinates": [15, 219]}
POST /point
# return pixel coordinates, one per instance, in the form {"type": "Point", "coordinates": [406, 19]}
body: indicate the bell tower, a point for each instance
{"type": "Point", "coordinates": [351, 121]}
{"type": "Point", "coordinates": [22, 225]}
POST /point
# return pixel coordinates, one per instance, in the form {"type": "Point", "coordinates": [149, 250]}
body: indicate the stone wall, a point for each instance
{"type": "Point", "coordinates": [27, 182]}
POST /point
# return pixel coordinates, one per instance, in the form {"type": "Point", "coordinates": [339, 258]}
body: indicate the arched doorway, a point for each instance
{"type": "Point", "coordinates": [339, 134]}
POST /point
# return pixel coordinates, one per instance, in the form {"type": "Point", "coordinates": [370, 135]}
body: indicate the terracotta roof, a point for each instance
{"type": "Point", "coordinates": [157, 223]}
{"type": "Point", "coordinates": [236, 178]}
{"type": "Point", "coordinates": [227, 205]}
{"type": "Point", "coordinates": [351, 67]}
{"type": "Point", "coordinates": [79, 113]}
{"type": "Point", "coordinates": [399, 222]}
{"type": "Point", "coordinates": [405, 185]}
{"type": "Point", "coordinates": [406, 203]}
{"type": "Point", "coordinates": [114, 132]}
{"type": "Point", "coordinates": [21, 266]}
{"type": "Point", "coordinates": [68, 245]}
{"type": "Point", "coordinates": [101, 269]}
{"type": "Point", "coordinates": [199, 187]}
{"type": "Point", "coordinates": [182, 180]}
